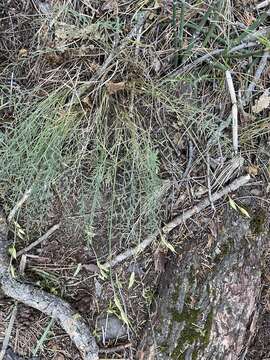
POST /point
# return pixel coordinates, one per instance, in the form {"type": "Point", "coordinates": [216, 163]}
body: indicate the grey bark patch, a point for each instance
{"type": "Point", "coordinates": [207, 300]}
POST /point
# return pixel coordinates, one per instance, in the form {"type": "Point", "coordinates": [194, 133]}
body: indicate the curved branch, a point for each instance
{"type": "Point", "coordinates": [48, 304]}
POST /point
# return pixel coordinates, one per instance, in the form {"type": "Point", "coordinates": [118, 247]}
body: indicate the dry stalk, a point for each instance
{"type": "Point", "coordinates": [234, 111]}
{"type": "Point", "coordinates": [178, 220]}
{"type": "Point", "coordinates": [19, 204]}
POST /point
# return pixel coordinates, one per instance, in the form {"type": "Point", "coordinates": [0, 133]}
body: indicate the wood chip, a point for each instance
{"type": "Point", "coordinates": [113, 87]}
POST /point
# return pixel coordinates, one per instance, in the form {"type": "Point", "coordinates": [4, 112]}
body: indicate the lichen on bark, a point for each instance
{"type": "Point", "coordinates": [205, 313]}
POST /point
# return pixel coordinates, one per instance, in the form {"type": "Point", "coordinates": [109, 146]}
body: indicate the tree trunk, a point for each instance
{"type": "Point", "coordinates": [206, 306]}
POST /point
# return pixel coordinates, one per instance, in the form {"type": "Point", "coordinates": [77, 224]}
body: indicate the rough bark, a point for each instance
{"type": "Point", "coordinates": [49, 304]}
{"type": "Point", "coordinates": [206, 305]}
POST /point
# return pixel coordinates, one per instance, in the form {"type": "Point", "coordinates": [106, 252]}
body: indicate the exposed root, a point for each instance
{"type": "Point", "coordinates": [49, 304]}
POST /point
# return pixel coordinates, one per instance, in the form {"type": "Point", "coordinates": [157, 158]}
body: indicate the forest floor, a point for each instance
{"type": "Point", "coordinates": [115, 116]}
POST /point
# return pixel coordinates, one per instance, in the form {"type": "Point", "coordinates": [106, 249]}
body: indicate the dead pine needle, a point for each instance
{"type": "Point", "coordinates": [234, 111]}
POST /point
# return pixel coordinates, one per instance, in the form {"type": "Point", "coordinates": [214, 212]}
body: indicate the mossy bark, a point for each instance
{"type": "Point", "coordinates": [206, 306]}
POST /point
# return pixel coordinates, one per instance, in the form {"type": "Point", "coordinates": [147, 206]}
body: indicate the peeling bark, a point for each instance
{"type": "Point", "coordinates": [49, 304]}
{"type": "Point", "coordinates": [206, 307]}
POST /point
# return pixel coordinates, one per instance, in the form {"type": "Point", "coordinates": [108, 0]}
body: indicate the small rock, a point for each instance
{"type": "Point", "coordinates": [110, 327]}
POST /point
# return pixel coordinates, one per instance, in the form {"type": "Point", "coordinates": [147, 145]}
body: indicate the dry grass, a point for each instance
{"type": "Point", "coordinates": [99, 103]}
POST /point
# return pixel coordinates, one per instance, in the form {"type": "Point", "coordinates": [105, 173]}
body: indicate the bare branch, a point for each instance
{"type": "Point", "coordinates": [178, 220]}
{"type": "Point", "coordinates": [49, 304]}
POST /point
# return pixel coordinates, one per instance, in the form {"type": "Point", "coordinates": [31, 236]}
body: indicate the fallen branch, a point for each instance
{"type": "Point", "coordinates": [178, 220]}
{"type": "Point", "coordinates": [234, 111]}
{"type": "Point", "coordinates": [19, 204]}
{"type": "Point", "coordinates": [48, 304]}
{"type": "Point", "coordinates": [39, 240]}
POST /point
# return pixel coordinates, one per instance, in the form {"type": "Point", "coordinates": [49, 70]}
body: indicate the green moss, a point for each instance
{"type": "Point", "coordinates": [191, 334]}
{"type": "Point", "coordinates": [208, 327]}
{"type": "Point", "coordinates": [258, 222]}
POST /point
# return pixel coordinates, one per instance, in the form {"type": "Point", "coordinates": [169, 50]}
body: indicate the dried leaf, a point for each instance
{"type": "Point", "coordinates": [253, 170]}
{"type": "Point", "coordinates": [232, 203]}
{"type": "Point", "coordinates": [23, 52]}
{"type": "Point", "coordinates": [12, 252]}
{"type": "Point", "coordinates": [262, 103]}
{"type": "Point", "coordinates": [113, 87]}
{"type": "Point", "coordinates": [131, 280]}
{"type": "Point", "coordinates": [238, 208]}
{"type": "Point", "coordinates": [166, 243]}
{"type": "Point", "coordinates": [243, 211]}
{"type": "Point", "coordinates": [121, 310]}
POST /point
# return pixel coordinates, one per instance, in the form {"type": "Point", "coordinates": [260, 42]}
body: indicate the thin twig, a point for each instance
{"type": "Point", "coordinates": [234, 111]}
{"type": "Point", "coordinates": [257, 77]}
{"type": "Point", "coordinates": [19, 204]}
{"type": "Point", "coordinates": [8, 331]}
{"type": "Point", "coordinates": [190, 159]}
{"type": "Point", "coordinates": [39, 240]}
{"type": "Point", "coordinates": [178, 220]}
{"type": "Point", "coordinates": [48, 304]}
{"type": "Point", "coordinates": [262, 4]}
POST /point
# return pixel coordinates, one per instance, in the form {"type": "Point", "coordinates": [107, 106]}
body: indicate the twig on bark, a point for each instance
{"type": "Point", "coordinates": [19, 204]}
{"type": "Point", "coordinates": [49, 304]}
{"type": "Point", "coordinates": [234, 111]}
{"type": "Point", "coordinates": [178, 220]}
{"type": "Point", "coordinates": [8, 331]}
{"type": "Point", "coordinates": [39, 240]}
